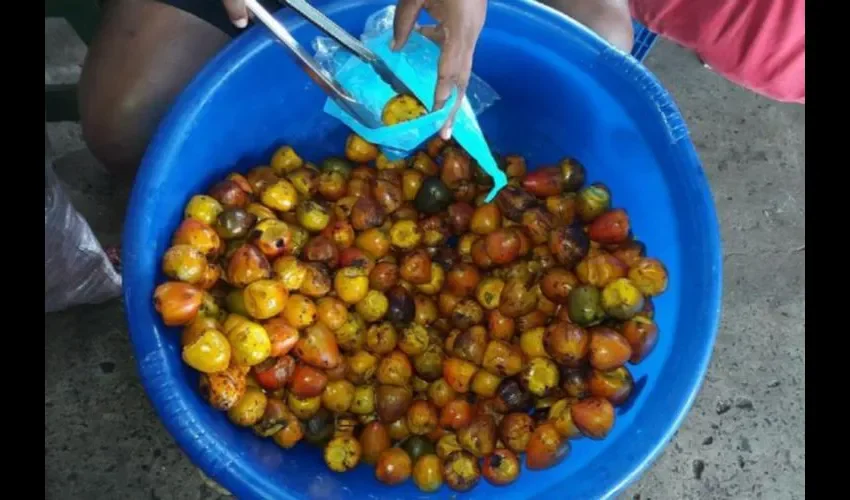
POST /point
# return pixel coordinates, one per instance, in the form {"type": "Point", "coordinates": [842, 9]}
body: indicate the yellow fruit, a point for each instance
{"type": "Point", "coordinates": [210, 353]}
{"type": "Point", "coordinates": [351, 284]}
{"type": "Point", "coordinates": [285, 160]}
{"type": "Point", "coordinates": [250, 344]}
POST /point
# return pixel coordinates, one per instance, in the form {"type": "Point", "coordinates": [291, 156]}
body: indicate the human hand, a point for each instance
{"type": "Point", "coordinates": [237, 12]}
{"type": "Point", "coordinates": [459, 23]}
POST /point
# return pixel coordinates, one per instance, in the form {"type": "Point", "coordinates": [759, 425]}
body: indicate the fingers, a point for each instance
{"type": "Point", "coordinates": [446, 129]}
{"type": "Point", "coordinates": [453, 73]}
{"type": "Point", "coordinates": [445, 85]}
{"type": "Point", "coordinates": [433, 33]}
{"type": "Point", "coordinates": [237, 12]}
{"type": "Point", "coordinates": [405, 18]}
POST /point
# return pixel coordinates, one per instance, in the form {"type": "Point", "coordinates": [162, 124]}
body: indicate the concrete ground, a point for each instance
{"type": "Point", "coordinates": [744, 438]}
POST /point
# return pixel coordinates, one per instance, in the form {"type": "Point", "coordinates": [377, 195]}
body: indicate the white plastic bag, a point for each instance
{"type": "Point", "coordinates": [76, 269]}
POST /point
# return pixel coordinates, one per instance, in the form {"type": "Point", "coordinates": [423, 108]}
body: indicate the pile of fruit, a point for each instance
{"type": "Point", "coordinates": [383, 312]}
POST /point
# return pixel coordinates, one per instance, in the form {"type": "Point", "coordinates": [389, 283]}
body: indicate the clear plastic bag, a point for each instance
{"type": "Point", "coordinates": [76, 269]}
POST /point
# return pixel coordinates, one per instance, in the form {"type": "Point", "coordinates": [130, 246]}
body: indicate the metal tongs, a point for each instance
{"type": "Point", "coordinates": [327, 82]}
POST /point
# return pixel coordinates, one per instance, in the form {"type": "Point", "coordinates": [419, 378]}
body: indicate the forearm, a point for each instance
{"type": "Point", "coordinates": [610, 19]}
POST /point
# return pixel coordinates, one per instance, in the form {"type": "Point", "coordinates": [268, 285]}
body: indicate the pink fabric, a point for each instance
{"type": "Point", "coordinates": [759, 44]}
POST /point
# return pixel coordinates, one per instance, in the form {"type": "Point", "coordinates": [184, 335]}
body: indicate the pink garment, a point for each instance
{"type": "Point", "coordinates": [759, 44]}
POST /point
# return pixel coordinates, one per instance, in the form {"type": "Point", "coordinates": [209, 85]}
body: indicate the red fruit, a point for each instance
{"type": "Point", "coordinates": [459, 216]}
{"type": "Point", "coordinates": [543, 182]}
{"type": "Point", "coordinates": [178, 303]}
{"type": "Point", "coordinates": [355, 257]}
{"type": "Point", "coordinates": [612, 227]}
{"type": "Point", "coordinates": [273, 373]}
{"type": "Point", "coordinates": [318, 347]}
{"type": "Point", "coordinates": [593, 416]}
{"type": "Point", "coordinates": [546, 447]}
{"type": "Point", "coordinates": [229, 194]}
{"type": "Point", "coordinates": [307, 382]}
{"type": "Point", "coordinates": [642, 335]}
{"type": "Point", "coordinates": [282, 336]}
{"type": "Point", "coordinates": [503, 246]}
{"type": "Point", "coordinates": [501, 467]}
{"type": "Point", "coordinates": [340, 233]}
{"type": "Point", "coordinates": [321, 249]}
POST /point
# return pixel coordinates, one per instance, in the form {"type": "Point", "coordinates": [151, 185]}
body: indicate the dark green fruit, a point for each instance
{"type": "Point", "coordinates": [234, 223]}
{"type": "Point", "coordinates": [319, 428]}
{"type": "Point", "coordinates": [337, 165]}
{"type": "Point", "coordinates": [417, 446]}
{"type": "Point", "coordinates": [433, 196]}
{"type": "Point", "coordinates": [429, 364]}
{"type": "Point", "coordinates": [572, 174]}
{"type": "Point", "coordinates": [593, 201]}
{"type": "Point", "coordinates": [584, 305]}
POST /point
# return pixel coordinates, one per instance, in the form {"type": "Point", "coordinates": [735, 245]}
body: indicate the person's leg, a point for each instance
{"type": "Point", "coordinates": [610, 19]}
{"type": "Point", "coordinates": [144, 54]}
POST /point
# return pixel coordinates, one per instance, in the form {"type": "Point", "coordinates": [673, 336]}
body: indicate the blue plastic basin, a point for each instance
{"type": "Point", "coordinates": [564, 92]}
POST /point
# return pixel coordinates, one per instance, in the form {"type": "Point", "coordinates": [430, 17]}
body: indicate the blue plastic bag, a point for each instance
{"type": "Point", "coordinates": [416, 66]}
